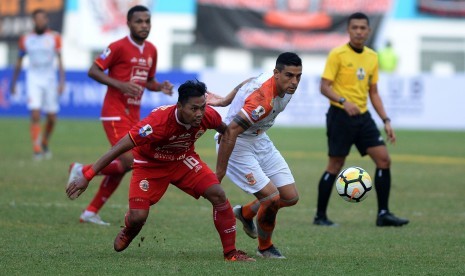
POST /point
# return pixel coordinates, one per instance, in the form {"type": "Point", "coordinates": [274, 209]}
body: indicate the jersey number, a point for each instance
{"type": "Point", "coordinates": [190, 162]}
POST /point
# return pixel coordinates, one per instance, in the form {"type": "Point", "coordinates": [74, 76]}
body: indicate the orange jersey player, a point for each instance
{"type": "Point", "coordinates": [248, 157]}
{"type": "Point", "coordinates": [42, 47]}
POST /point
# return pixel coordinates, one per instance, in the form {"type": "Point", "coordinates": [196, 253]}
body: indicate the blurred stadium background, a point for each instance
{"type": "Point", "coordinates": [222, 42]}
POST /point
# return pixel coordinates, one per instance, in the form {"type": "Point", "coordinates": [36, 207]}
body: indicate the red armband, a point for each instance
{"type": "Point", "coordinates": [89, 174]}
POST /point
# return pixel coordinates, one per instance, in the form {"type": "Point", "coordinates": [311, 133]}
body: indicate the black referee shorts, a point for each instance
{"type": "Point", "coordinates": [343, 131]}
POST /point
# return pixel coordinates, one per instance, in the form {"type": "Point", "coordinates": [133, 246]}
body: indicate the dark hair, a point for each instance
{"type": "Point", "coordinates": [358, 15]}
{"type": "Point", "coordinates": [286, 59]}
{"type": "Point", "coordinates": [138, 8]}
{"type": "Point", "coordinates": [191, 88]}
{"type": "Point", "coordinates": [37, 11]}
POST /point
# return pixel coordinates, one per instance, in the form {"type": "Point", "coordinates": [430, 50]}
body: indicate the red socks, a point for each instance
{"type": "Point", "coordinates": [225, 224]}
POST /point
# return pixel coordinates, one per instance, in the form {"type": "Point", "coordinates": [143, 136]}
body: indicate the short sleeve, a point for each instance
{"type": "Point", "coordinates": [256, 106]}
{"type": "Point", "coordinates": [212, 118]}
{"type": "Point", "coordinates": [153, 67]}
{"type": "Point", "coordinates": [57, 42]}
{"type": "Point", "coordinates": [375, 76]}
{"type": "Point", "coordinates": [108, 57]}
{"type": "Point", "coordinates": [149, 130]}
{"type": "Point", "coordinates": [331, 67]}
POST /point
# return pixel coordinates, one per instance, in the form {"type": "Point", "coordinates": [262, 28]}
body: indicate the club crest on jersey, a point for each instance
{"type": "Point", "coordinates": [250, 179]}
{"type": "Point", "coordinates": [361, 73]}
{"type": "Point", "coordinates": [144, 185]}
{"type": "Point", "coordinates": [258, 112]}
{"type": "Point", "coordinates": [145, 130]}
{"type": "Point", "coordinates": [105, 53]}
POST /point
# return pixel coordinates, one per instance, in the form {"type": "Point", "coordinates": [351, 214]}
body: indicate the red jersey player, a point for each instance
{"type": "Point", "coordinates": [131, 64]}
{"type": "Point", "coordinates": [163, 147]}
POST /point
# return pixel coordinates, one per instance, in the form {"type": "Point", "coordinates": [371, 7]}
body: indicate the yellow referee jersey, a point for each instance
{"type": "Point", "coordinates": [352, 74]}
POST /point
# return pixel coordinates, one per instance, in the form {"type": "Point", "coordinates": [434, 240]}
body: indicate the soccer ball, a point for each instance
{"type": "Point", "coordinates": [353, 184]}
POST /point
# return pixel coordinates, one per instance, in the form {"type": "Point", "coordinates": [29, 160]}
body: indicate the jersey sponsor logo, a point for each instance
{"type": "Point", "coordinates": [133, 101]}
{"type": "Point", "coordinates": [184, 136]}
{"type": "Point", "coordinates": [361, 73]}
{"type": "Point", "coordinates": [134, 60]}
{"type": "Point", "coordinates": [145, 130]}
{"type": "Point", "coordinates": [142, 61]}
{"type": "Point", "coordinates": [105, 53]}
{"type": "Point", "coordinates": [172, 138]}
{"type": "Point", "coordinates": [258, 112]}
{"type": "Point", "coordinates": [250, 179]}
{"type": "Point", "coordinates": [139, 75]}
{"type": "Point", "coordinates": [144, 185]}
{"type": "Point", "coordinates": [161, 156]}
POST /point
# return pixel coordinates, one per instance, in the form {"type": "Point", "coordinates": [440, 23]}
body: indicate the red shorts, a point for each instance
{"type": "Point", "coordinates": [150, 182]}
{"type": "Point", "coordinates": [116, 130]}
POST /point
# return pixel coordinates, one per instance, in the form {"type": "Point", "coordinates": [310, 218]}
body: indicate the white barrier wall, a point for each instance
{"type": "Point", "coordinates": [413, 102]}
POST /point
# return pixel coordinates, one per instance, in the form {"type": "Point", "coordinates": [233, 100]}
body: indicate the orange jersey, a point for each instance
{"type": "Point", "coordinates": [41, 50]}
{"type": "Point", "coordinates": [258, 100]}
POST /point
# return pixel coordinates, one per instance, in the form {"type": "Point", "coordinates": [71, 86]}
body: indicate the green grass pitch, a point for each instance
{"type": "Point", "coordinates": [40, 232]}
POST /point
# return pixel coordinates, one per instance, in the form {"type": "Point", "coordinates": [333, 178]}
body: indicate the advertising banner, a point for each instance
{"type": "Point", "coordinates": [282, 25]}
{"type": "Point", "coordinates": [412, 102]}
{"type": "Point", "coordinates": [15, 16]}
{"type": "Point", "coordinates": [83, 97]}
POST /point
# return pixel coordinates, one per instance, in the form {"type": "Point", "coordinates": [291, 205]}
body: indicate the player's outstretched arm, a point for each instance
{"type": "Point", "coordinates": [217, 100]}
{"type": "Point", "coordinates": [80, 184]}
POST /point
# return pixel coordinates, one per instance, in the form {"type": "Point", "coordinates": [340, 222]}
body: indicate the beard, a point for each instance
{"type": "Point", "coordinates": [39, 30]}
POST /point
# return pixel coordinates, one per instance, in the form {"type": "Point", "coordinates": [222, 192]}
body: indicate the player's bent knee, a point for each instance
{"type": "Point", "coordinates": [288, 202]}
{"type": "Point", "coordinates": [215, 194]}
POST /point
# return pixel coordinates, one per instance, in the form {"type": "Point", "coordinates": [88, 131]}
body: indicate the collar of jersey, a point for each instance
{"type": "Point", "coordinates": [140, 47]}
{"type": "Point", "coordinates": [187, 126]}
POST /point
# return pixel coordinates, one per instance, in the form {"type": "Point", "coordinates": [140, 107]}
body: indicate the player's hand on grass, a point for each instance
{"type": "Point", "coordinates": [77, 187]}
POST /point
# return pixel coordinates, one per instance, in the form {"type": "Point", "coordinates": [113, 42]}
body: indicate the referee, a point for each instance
{"type": "Point", "coordinates": [349, 78]}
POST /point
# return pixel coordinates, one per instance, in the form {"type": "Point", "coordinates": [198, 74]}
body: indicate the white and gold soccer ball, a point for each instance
{"type": "Point", "coordinates": [353, 184]}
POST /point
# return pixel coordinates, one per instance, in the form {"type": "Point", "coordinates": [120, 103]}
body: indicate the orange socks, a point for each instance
{"type": "Point", "coordinates": [250, 210]}
{"type": "Point", "coordinates": [266, 220]}
{"type": "Point", "coordinates": [35, 137]}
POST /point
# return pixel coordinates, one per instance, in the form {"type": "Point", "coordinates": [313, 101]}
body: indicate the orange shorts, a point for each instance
{"type": "Point", "coordinates": [150, 182]}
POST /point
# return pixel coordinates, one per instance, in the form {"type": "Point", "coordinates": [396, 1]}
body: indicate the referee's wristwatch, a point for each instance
{"type": "Point", "coordinates": [342, 100]}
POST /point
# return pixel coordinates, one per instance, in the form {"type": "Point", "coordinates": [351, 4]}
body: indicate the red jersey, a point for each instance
{"type": "Point", "coordinates": [162, 137]}
{"type": "Point", "coordinates": [126, 61]}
